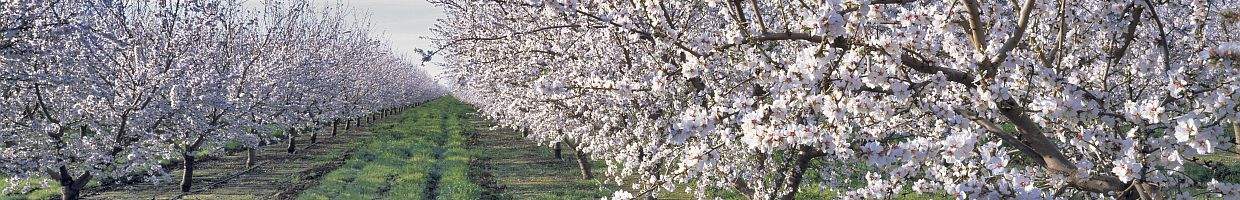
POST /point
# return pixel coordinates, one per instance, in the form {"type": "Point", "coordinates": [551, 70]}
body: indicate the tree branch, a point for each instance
{"type": "Point", "coordinates": [976, 35]}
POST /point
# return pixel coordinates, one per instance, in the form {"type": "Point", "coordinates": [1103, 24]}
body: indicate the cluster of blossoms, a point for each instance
{"type": "Point", "coordinates": [105, 90]}
{"type": "Point", "coordinates": [1226, 50]}
{"type": "Point", "coordinates": [975, 99]}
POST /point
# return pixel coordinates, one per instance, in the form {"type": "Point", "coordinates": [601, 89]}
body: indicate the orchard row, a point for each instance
{"type": "Point", "coordinates": [101, 90]}
{"type": "Point", "coordinates": [871, 98]}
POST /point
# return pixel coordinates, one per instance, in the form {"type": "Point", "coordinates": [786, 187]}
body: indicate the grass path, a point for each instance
{"type": "Point", "coordinates": [442, 151]}
{"type": "Point", "coordinates": [421, 156]}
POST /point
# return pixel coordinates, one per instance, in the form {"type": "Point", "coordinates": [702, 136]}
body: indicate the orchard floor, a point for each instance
{"type": "Point", "coordinates": [276, 174]}
{"type": "Point", "coordinates": [439, 150]}
{"type": "Point", "coordinates": [525, 170]}
{"type": "Point", "coordinates": [501, 164]}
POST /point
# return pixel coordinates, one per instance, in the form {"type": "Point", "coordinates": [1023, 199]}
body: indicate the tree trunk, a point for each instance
{"type": "Point", "coordinates": [249, 157]}
{"type": "Point", "coordinates": [292, 140]}
{"type": "Point", "coordinates": [583, 162]}
{"type": "Point", "coordinates": [69, 192]}
{"type": "Point", "coordinates": [335, 124]}
{"type": "Point", "coordinates": [558, 156]}
{"type": "Point", "coordinates": [314, 136]}
{"type": "Point", "coordinates": [1235, 129]}
{"type": "Point", "coordinates": [187, 177]}
{"type": "Point", "coordinates": [70, 188]}
{"type": "Point", "coordinates": [798, 172]}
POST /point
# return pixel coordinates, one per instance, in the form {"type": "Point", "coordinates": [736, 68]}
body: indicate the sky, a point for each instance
{"type": "Point", "coordinates": [403, 23]}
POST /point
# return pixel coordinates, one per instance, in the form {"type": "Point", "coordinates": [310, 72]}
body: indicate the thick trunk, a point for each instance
{"type": "Point", "coordinates": [1052, 158]}
{"type": "Point", "coordinates": [793, 182]}
{"type": "Point", "coordinates": [292, 140]}
{"type": "Point", "coordinates": [1235, 129]}
{"type": "Point", "coordinates": [335, 124]}
{"type": "Point", "coordinates": [70, 188]}
{"type": "Point", "coordinates": [583, 162]}
{"type": "Point", "coordinates": [249, 157]}
{"type": "Point", "coordinates": [69, 192]}
{"type": "Point", "coordinates": [557, 150]}
{"type": "Point", "coordinates": [187, 177]}
{"type": "Point", "coordinates": [314, 136]}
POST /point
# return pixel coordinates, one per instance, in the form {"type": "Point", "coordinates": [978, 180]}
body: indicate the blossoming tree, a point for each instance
{"type": "Point", "coordinates": [975, 99]}
{"type": "Point", "coordinates": [104, 90]}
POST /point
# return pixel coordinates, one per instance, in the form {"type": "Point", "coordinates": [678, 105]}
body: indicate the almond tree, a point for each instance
{"type": "Point", "coordinates": [104, 90]}
{"type": "Point", "coordinates": [975, 99]}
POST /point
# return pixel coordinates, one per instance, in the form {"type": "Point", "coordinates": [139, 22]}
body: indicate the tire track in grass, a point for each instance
{"type": "Point", "coordinates": [389, 166]}
{"type": "Point", "coordinates": [480, 168]}
{"type": "Point", "coordinates": [436, 172]}
{"type": "Point", "coordinates": [423, 158]}
{"type": "Point", "coordinates": [455, 181]}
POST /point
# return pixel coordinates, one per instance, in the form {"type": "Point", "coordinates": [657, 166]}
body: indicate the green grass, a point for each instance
{"type": "Point", "coordinates": [455, 182]}
{"type": "Point", "coordinates": [528, 171]}
{"type": "Point", "coordinates": [400, 162]}
{"type": "Point", "coordinates": [30, 189]}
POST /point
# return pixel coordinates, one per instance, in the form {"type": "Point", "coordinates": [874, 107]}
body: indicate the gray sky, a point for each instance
{"type": "Point", "coordinates": [403, 23]}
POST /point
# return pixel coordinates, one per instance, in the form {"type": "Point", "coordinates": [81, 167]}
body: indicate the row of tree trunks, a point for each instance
{"type": "Point", "coordinates": [71, 187]}
{"type": "Point", "coordinates": [189, 160]}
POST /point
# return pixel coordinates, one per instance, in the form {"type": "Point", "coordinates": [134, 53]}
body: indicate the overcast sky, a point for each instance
{"type": "Point", "coordinates": [403, 23]}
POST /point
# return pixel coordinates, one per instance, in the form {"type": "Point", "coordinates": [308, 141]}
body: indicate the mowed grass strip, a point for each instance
{"type": "Point", "coordinates": [455, 182]}
{"type": "Point", "coordinates": [401, 161]}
